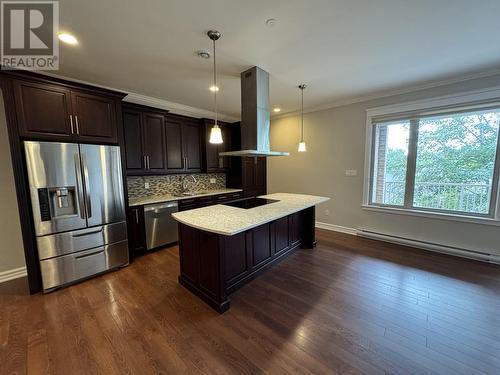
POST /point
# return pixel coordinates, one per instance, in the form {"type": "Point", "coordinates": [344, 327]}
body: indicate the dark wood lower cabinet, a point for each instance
{"type": "Point", "coordinates": [213, 266]}
{"type": "Point", "coordinates": [136, 229]}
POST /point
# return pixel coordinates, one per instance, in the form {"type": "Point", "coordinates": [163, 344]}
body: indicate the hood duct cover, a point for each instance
{"type": "Point", "coordinates": [255, 115]}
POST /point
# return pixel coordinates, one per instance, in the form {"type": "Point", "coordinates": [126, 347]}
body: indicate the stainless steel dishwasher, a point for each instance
{"type": "Point", "coordinates": [161, 227]}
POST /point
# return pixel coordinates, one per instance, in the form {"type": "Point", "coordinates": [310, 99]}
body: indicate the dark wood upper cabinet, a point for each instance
{"type": "Point", "coordinates": [191, 142]}
{"type": "Point", "coordinates": [132, 134]}
{"type": "Point", "coordinates": [212, 162]}
{"type": "Point", "coordinates": [43, 110]}
{"type": "Point", "coordinates": [254, 176]}
{"type": "Point", "coordinates": [144, 139]}
{"type": "Point", "coordinates": [94, 117]}
{"type": "Point", "coordinates": [49, 111]}
{"type": "Point", "coordinates": [175, 152]}
{"type": "Point", "coordinates": [154, 141]}
{"type": "Point", "coordinates": [183, 140]}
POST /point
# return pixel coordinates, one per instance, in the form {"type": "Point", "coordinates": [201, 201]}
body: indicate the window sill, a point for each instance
{"type": "Point", "coordinates": [433, 215]}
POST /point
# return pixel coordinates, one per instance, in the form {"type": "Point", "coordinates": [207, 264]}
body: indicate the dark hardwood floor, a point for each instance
{"type": "Point", "coordinates": [351, 305]}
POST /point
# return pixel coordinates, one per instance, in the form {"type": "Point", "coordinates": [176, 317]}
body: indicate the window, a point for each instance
{"type": "Point", "coordinates": [445, 161]}
{"type": "Point", "coordinates": [391, 154]}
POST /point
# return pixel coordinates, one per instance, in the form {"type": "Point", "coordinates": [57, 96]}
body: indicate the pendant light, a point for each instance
{"type": "Point", "coordinates": [215, 132]}
{"type": "Point", "coordinates": [302, 144]}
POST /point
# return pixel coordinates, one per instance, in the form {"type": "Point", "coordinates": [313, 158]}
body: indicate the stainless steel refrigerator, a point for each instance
{"type": "Point", "coordinates": [78, 209]}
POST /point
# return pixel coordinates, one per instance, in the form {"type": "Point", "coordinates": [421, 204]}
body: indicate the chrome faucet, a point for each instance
{"type": "Point", "coordinates": [184, 182]}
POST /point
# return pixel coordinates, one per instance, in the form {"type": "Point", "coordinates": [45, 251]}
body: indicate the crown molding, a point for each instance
{"type": "Point", "coordinates": [176, 108]}
{"type": "Point", "coordinates": [393, 92]}
{"type": "Point", "coordinates": [132, 97]}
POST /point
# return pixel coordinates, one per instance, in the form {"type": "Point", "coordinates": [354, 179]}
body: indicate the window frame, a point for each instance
{"type": "Point", "coordinates": [412, 112]}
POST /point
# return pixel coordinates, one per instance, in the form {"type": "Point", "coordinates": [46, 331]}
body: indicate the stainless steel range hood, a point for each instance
{"type": "Point", "coordinates": [255, 115]}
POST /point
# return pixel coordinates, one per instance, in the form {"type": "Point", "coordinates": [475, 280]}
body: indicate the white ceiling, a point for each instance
{"type": "Point", "coordinates": [340, 48]}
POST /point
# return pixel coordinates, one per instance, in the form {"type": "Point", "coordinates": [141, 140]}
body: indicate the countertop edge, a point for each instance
{"type": "Point", "coordinates": [292, 211]}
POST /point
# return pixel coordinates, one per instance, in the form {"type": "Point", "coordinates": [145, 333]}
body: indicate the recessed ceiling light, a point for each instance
{"type": "Point", "coordinates": [203, 54]}
{"type": "Point", "coordinates": [68, 38]}
{"type": "Point", "coordinates": [277, 109]}
{"type": "Point", "coordinates": [271, 22]}
{"type": "Point", "coordinates": [214, 88]}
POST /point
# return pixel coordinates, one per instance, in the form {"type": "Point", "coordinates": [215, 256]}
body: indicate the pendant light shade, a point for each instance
{"type": "Point", "coordinates": [302, 145]}
{"type": "Point", "coordinates": [215, 132]}
{"type": "Point", "coordinates": [215, 135]}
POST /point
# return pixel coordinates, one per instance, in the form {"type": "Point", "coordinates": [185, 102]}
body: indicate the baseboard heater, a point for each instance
{"type": "Point", "coordinates": [451, 250]}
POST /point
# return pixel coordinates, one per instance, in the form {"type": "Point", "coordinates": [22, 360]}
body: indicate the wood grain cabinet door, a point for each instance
{"type": "Point", "coordinates": [281, 235]}
{"type": "Point", "coordinates": [261, 245]}
{"type": "Point", "coordinates": [95, 117]}
{"type": "Point", "coordinates": [154, 141]}
{"type": "Point", "coordinates": [214, 162]}
{"type": "Point", "coordinates": [191, 141]}
{"type": "Point", "coordinates": [136, 229]}
{"type": "Point", "coordinates": [212, 152]}
{"type": "Point", "coordinates": [224, 162]}
{"type": "Point", "coordinates": [43, 110]}
{"type": "Point", "coordinates": [248, 176]}
{"type": "Point", "coordinates": [295, 227]}
{"type": "Point", "coordinates": [261, 176]}
{"type": "Point", "coordinates": [173, 139]}
{"type": "Point", "coordinates": [132, 134]}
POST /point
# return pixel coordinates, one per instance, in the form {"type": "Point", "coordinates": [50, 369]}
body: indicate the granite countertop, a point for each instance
{"type": "Point", "coordinates": [169, 197]}
{"type": "Point", "coordinates": [228, 220]}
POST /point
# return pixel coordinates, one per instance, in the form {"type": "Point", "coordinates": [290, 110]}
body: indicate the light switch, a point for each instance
{"type": "Point", "coordinates": [351, 172]}
{"type": "Point", "coordinates": [146, 185]}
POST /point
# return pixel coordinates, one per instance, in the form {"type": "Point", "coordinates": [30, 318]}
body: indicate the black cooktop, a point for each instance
{"type": "Point", "coordinates": [247, 203]}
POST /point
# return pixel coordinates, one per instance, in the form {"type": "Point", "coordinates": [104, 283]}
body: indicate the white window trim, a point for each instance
{"type": "Point", "coordinates": [461, 99]}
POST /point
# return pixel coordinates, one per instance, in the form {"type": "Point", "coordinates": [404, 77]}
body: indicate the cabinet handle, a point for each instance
{"type": "Point", "coordinates": [145, 162]}
{"type": "Point", "coordinates": [71, 123]}
{"type": "Point", "coordinates": [137, 216]}
{"type": "Point", "coordinates": [149, 161]}
{"type": "Point", "coordinates": [77, 126]}
{"type": "Point", "coordinates": [186, 161]}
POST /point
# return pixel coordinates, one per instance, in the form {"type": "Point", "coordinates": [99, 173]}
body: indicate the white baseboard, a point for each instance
{"type": "Point", "coordinates": [12, 274]}
{"type": "Point", "coordinates": [336, 228]}
{"type": "Point", "coordinates": [463, 253]}
{"type": "Point", "coordinates": [430, 246]}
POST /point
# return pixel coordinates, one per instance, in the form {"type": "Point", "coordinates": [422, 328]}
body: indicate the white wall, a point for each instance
{"type": "Point", "coordinates": [11, 245]}
{"type": "Point", "coordinates": [335, 142]}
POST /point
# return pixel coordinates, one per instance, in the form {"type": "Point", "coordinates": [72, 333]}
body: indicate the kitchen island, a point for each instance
{"type": "Point", "coordinates": [222, 247]}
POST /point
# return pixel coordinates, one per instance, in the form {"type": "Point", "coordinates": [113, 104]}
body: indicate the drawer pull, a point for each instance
{"type": "Point", "coordinates": [87, 233]}
{"type": "Point", "coordinates": [89, 255]}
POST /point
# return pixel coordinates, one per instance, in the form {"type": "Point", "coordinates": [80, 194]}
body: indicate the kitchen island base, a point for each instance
{"type": "Point", "coordinates": [213, 265]}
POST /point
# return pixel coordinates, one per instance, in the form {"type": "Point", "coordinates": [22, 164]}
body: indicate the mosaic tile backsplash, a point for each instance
{"type": "Point", "coordinates": [172, 184]}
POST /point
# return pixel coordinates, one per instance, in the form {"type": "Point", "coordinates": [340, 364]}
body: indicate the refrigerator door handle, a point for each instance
{"type": "Point", "coordinates": [87, 186]}
{"type": "Point", "coordinates": [79, 187]}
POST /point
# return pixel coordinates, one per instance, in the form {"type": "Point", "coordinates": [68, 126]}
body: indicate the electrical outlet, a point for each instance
{"type": "Point", "coordinates": [146, 185]}
{"type": "Point", "coordinates": [213, 180]}
{"type": "Point", "coordinates": [327, 212]}
{"type": "Point", "coordinates": [351, 172]}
